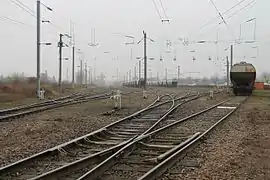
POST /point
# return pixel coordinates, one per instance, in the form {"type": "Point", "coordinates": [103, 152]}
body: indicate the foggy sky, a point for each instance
{"type": "Point", "coordinates": [113, 19]}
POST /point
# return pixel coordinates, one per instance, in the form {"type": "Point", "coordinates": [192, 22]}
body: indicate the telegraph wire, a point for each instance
{"type": "Point", "coordinates": [249, 4]}
{"type": "Point", "coordinates": [160, 17]}
{"type": "Point", "coordinates": [215, 18]}
{"type": "Point", "coordinates": [30, 11]}
{"type": "Point", "coordinates": [218, 12]}
{"type": "Point", "coordinates": [243, 8]}
{"type": "Point", "coordinates": [165, 14]}
{"type": "Point", "coordinates": [224, 13]}
{"type": "Point", "coordinates": [235, 13]}
{"type": "Point", "coordinates": [24, 7]}
{"type": "Point", "coordinates": [223, 19]}
{"type": "Point", "coordinates": [23, 24]}
{"type": "Point", "coordinates": [15, 21]}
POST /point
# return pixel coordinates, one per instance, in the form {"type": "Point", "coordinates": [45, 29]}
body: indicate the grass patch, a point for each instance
{"type": "Point", "coordinates": [261, 93]}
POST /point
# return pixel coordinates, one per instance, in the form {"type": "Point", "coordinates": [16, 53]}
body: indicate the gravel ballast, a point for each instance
{"type": "Point", "coordinates": [237, 149]}
{"type": "Point", "coordinates": [22, 137]}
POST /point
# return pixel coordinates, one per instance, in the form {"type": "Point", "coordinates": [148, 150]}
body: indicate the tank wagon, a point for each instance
{"type": "Point", "coordinates": [243, 77]}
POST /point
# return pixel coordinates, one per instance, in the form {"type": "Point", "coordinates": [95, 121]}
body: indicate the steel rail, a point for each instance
{"type": "Point", "coordinates": [20, 163]}
{"type": "Point", "coordinates": [102, 130]}
{"type": "Point", "coordinates": [52, 105]}
{"type": "Point", "coordinates": [96, 171]}
{"type": "Point", "coordinates": [99, 169]}
{"type": "Point", "coordinates": [182, 149]}
{"type": "Point", "coordinates": [73, 96]}
{"type": "Point", "coordinates": [23, 107]}
{"type": "Point", "coordinates": [73, 166]}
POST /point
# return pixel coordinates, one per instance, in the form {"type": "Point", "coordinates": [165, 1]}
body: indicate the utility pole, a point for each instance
{"type": "Point", "coordinates": [95, 69]}
{"type": "Point", "coordinates": [130, 79]}
{"type": "Point", "coordinates": [90, 75]}
{"type": "Point", "coordinates": [60, 61]}
{"type": "Point", "coordinates": [135, 73]}
{"type": "Point", "coordinates": [231, 56]}
{"type": "Point", "coordinates": [67, 75]}
{"type": "Point", "coordinates": [73, 65]}
{"type": "Point", "coordinates": [81, 66]}
{"type": "Point", "coordinates": [178, 73]}
{"type": "Point", "coordinates": [127, 77]}
{"type": "Point", "coordinates": [166, 74]}
{"type": "Point", "coordinates": [85, 69]}
{"type": "Point", "coordinates": [117, 74]}
{"type": "Point", "coordinates": [145, 60]}
{"type": "Point", "coordinates": [139, 69]}
{"type": "Point", "coordinates": [131, 54]}
{"type": "Point", "coordinates": [38, 48]}
{"type": "Point", "coordinates": [228, 66]}
{"type": "Point", "coordinates": [72, 41]}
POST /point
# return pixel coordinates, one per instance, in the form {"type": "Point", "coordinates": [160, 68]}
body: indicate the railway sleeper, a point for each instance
{"type": "Point", "coordinates": [132, 127]}
{"type": "Point", "coordinates": [142, 128]}
{"type": "Point", "coordinates": [147, 153]}
{"type": "Point", "coordinates": [145, 120]}
{"type": "Point", "coordinates": [104, 142]}
{"type": "Point", "coordinates": [136, 160]}
{"type": "Point", "coordinates": [126, 133]}
{"type": "Point", "coordinates": [126, 130]}
{"type": "Point", "coordinates": [123, 167]}
{"type": "Point", "coordinates": [163, 156]}
{"type": "Point", "coordinates": [129, 125]}
{"type": "Point", "coordinates": [120, 137]}
{"type": "Point", "coordinates": [99, 137]}
{"type": "Point", "coordinates": [109, 133]}
{"type": "Point", "coordinates": [158, 146]}
{"type": "Point", "coordinates": [173, 141]}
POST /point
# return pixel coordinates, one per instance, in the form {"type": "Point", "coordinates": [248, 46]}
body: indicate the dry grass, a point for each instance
{"type": "Point", "coordinates": [18, 92]}
{"type": "Point", "coordinates": [261, 93]}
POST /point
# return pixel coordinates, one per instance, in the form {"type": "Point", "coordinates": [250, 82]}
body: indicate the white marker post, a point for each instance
{"type": "Point", "coordinates": [117, 100]}
{"type": "Point", "coordinates": [144, 94]}
{"type": "Point", "coordinates": [211, 93]}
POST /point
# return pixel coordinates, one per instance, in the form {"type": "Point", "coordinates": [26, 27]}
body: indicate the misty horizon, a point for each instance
{"type": "Point", "coordinates": [113, 21]}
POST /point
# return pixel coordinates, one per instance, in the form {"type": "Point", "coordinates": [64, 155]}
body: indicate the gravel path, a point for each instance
{"type": "Point", "coordinates": [238, 149]}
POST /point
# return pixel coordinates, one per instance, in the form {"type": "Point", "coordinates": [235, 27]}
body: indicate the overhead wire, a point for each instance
{"type": "Point", "coordinates": [234, 42]}
{"type": "Point", "coordinates": [224, 13]}
{"type": "Point", "coordinates": [223, 19]}
{"type": "Point", "coordinates": [241, 9]}
{"type": "Point", "coordinates": [30, 11]}
{"type": "Point", "coordinates": [160, 17]}
{"type": "Point", "coordinates": [15, 21]}
{"type": "Point", "coordinates": [24, 7]}
{"type": "Point", "coordinates": [250, 4]}
{"type": "Point", "coordinates": [235, 13]}
{"type": "Point", "coordinates": [216, 18]}
{"type": "Point", "coordinates": [165, 14]}
{"type": "Point", "coordinates": [220, 15]}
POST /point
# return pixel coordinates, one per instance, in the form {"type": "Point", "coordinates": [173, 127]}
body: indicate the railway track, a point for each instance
{"type": "Point", "coordinates": [72, 159]}
{"type": "Point", "coordinates": [150, 155]}
{"type": "Point", "coordinates": [17, 112]}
